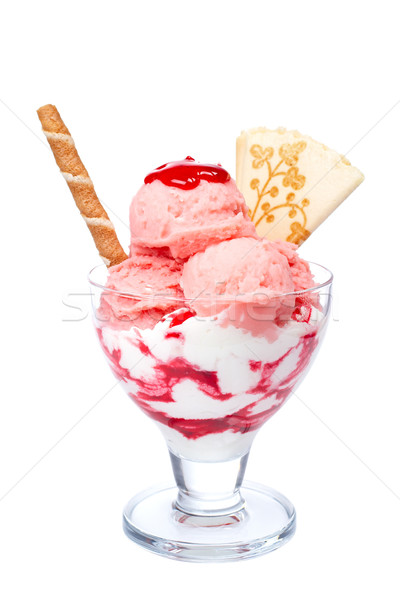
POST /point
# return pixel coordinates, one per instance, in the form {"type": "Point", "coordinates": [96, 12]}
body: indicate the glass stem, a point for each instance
{"type": "Point", "coordinates": [209, 488]}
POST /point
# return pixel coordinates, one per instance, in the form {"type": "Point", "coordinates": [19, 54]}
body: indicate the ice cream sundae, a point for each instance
{"type": "Point", "coordinates": [208, 325]}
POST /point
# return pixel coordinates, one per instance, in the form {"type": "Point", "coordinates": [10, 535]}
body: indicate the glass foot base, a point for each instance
{"type": "Point", "coordinates": [267, 521]}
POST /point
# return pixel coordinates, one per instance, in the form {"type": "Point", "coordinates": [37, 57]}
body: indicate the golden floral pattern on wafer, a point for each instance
{"type": "Point", "coordinates": [290, 177]}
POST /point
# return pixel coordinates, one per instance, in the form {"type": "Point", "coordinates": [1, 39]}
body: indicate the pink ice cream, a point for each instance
{"type": "Point", "coordinates": [143, 274]}
{"type": "Point", "coordinates": [192, 237]}
{"type": "Point", "coordinates": [188, 220]}
{"type": "Point", "coordinates": [300, 270]}
{"type": "Point", "coordinates": [242, 268]}
{"type": "Point", "coordinates": [247, 272]}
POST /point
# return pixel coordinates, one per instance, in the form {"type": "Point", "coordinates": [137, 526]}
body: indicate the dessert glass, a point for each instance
{"type": "Point", "coordinates": [209, 383]}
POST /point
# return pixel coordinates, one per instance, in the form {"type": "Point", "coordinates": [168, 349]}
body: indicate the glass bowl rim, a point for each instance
{"type": "Point", "coordinates": [215, 298]}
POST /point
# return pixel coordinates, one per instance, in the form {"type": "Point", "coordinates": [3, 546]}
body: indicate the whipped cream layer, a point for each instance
{"type": "Point", "coordinates": [210, 386]}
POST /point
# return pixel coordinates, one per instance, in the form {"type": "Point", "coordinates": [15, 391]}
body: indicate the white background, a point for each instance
{"type": "Point", "coordinates": [139, 84]}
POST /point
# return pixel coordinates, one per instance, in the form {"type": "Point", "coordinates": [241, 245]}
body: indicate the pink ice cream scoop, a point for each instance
{"type": "Point", "coordinates": [242, 267]}
{"type": "Point", "coordinates": [245, 276]}
{"type": "Point", "coordinates": [155, 278]}
{"type": "Point", "coordinates": [186, 206]}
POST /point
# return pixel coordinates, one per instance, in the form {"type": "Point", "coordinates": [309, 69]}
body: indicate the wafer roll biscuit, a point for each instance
{"type": "Point", "coordinates": [81, 186]}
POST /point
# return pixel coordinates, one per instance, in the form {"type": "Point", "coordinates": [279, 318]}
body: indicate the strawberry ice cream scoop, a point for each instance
{"type": "Point", "coordinates": [186, 206]}
{"type": "Point", "coordinates": [243, 274]}
{"type": "Point", "coordinates": [154, 278]}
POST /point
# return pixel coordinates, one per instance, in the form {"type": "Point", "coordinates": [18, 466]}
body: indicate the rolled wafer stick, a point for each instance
{"type": "Point", "coordinates": [81, 186]}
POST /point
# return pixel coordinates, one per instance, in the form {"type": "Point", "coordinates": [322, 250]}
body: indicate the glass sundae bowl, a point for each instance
{"type": "Point", "coordinates": [210, 372]}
